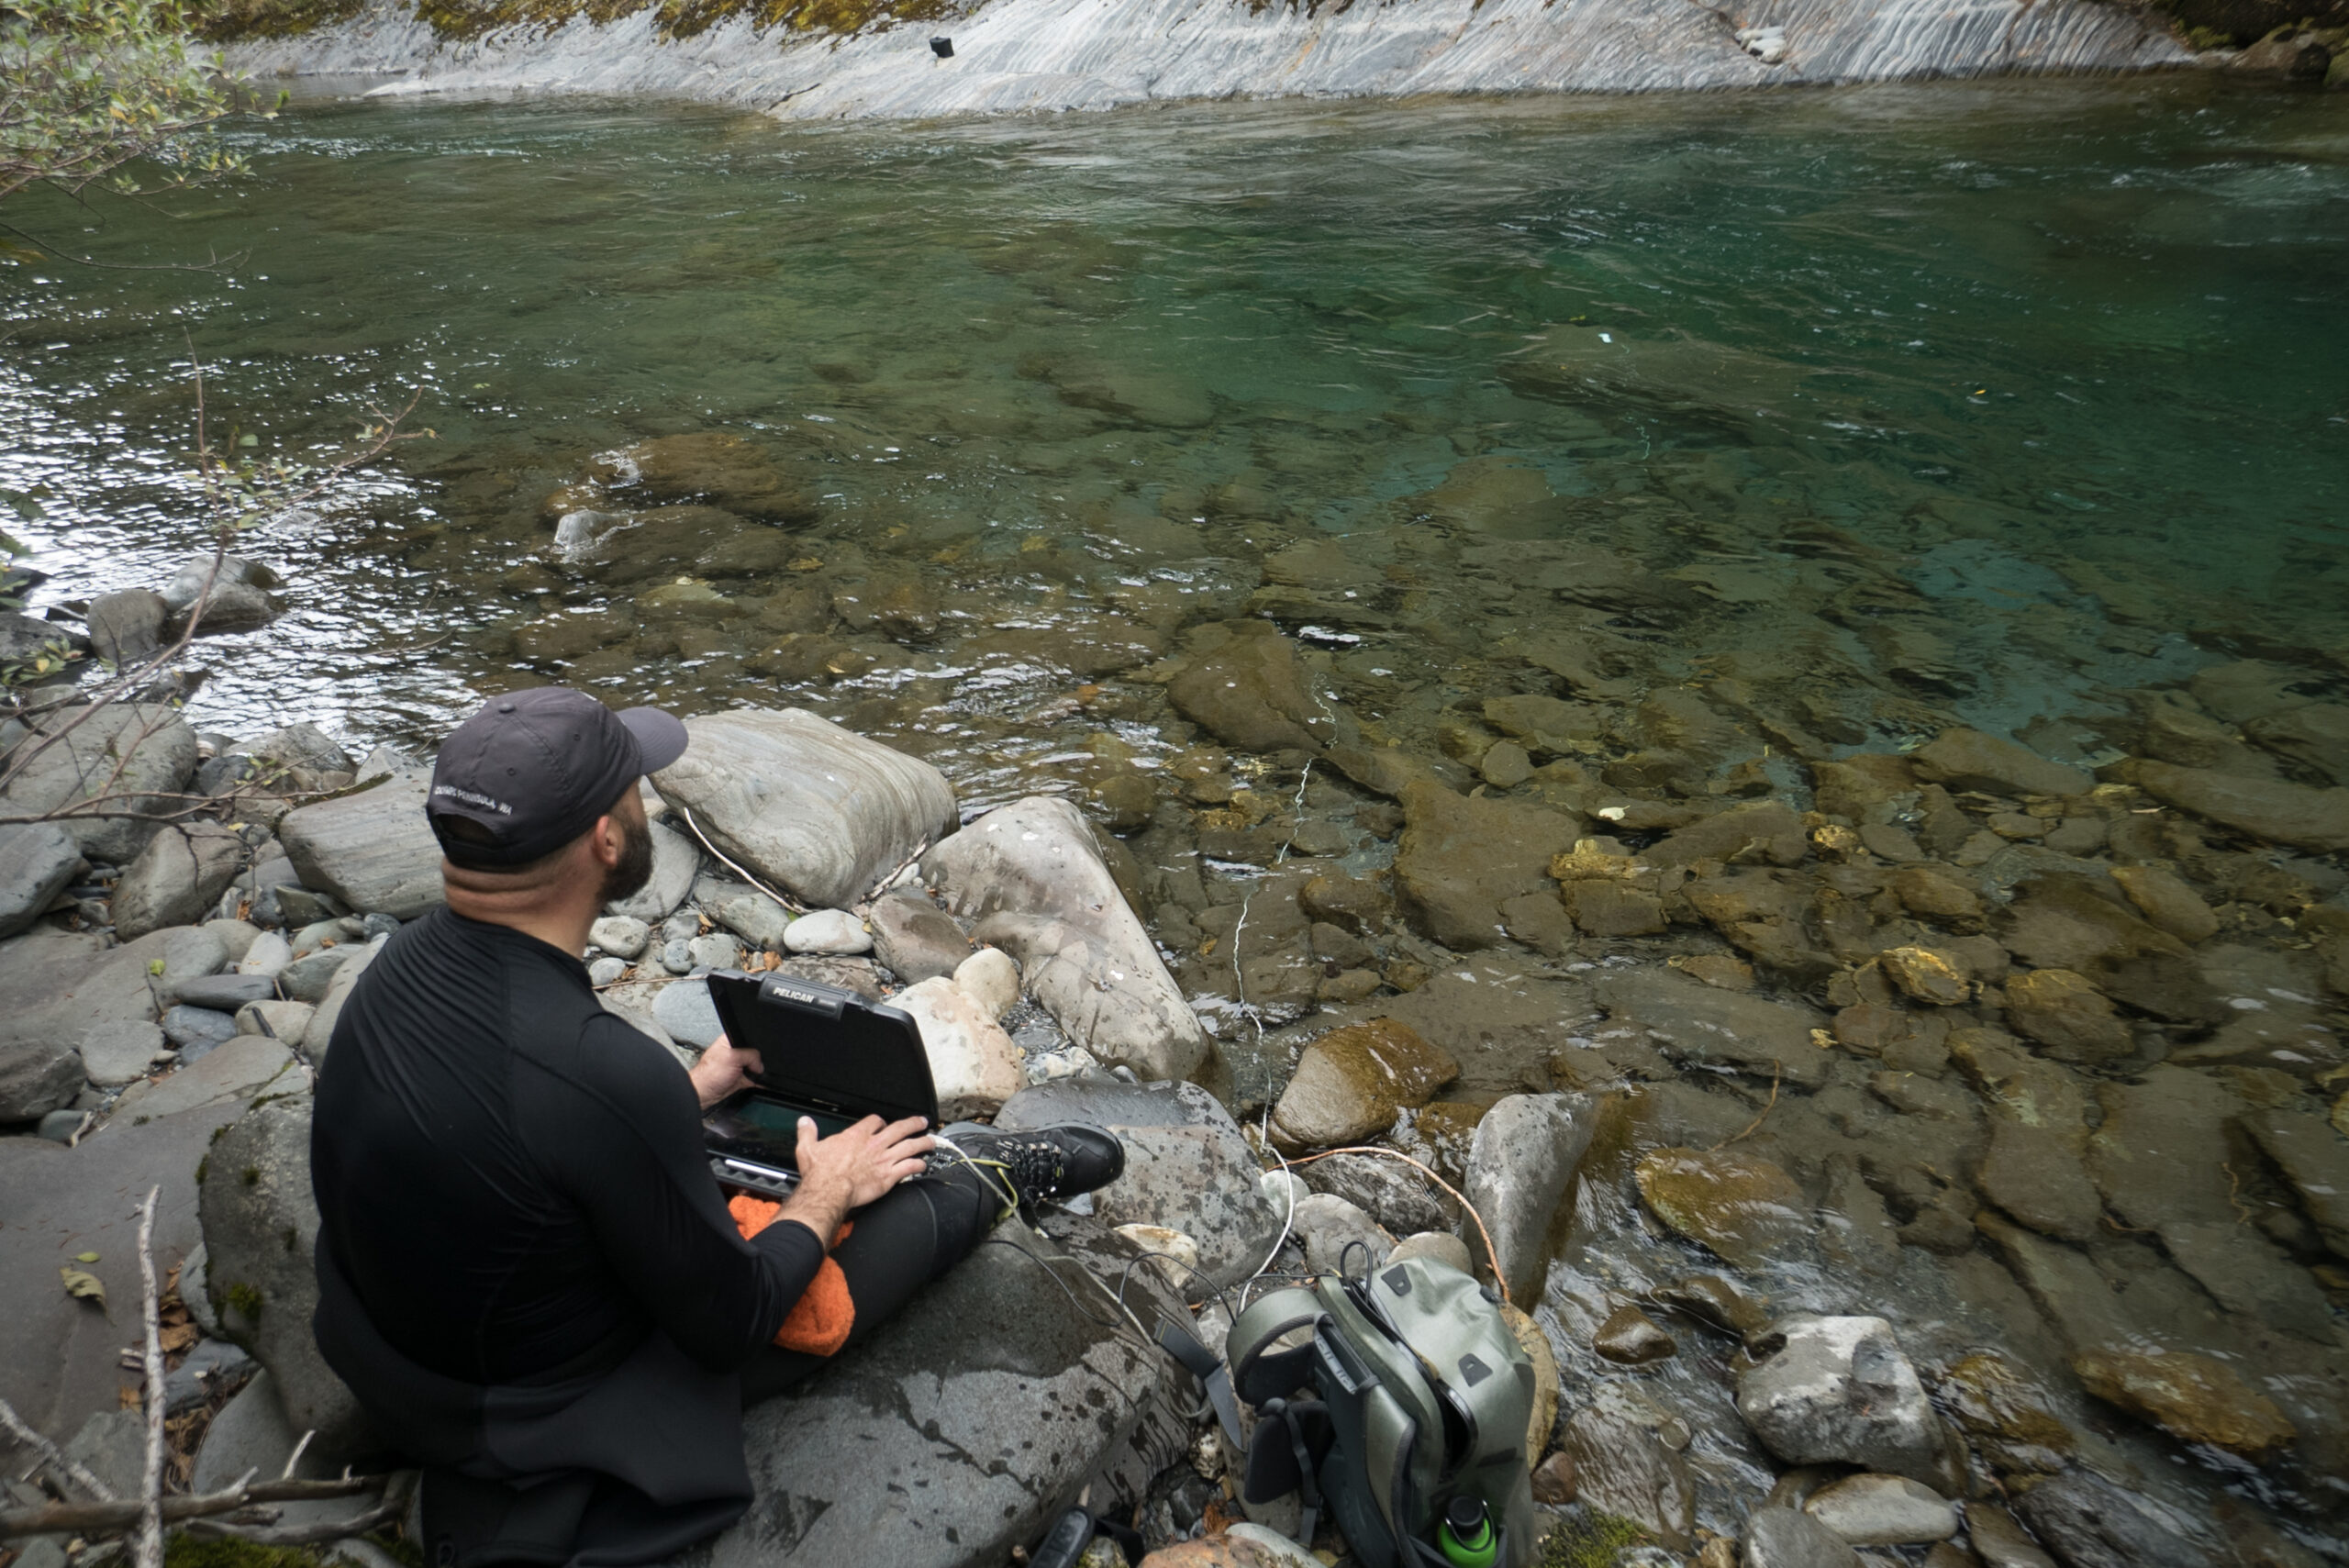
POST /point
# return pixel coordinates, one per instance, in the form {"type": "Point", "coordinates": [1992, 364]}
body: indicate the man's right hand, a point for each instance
{"type": "Point", "coordinates": [851, 1168]}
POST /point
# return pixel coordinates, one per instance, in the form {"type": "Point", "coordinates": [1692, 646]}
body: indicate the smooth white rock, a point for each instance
{"type": "Point", "coordinates": [832, 932]}
{"type": "Point", "coordinates": [1883, 1510]}
{"type": "Point", "coordinates": [992, 980]}
{"type": "Point", "coordinates": [972, 1062]}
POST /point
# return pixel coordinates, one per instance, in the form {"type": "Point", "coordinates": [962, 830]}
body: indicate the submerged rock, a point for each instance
{"type": "Point", "coordinates": [1350, 1084]}
{"type": "Point", "coordinates": [1839, 1391]}
{"type": "Point", "coordinates": [1967, 758]}
{"type": "Point", "coordinates": [2006, 1413]}
{"type": "Point", "coordinates": [814, 809]}
{"type": "Point", "coordinates": [2192, 1397]}
{"type": "Point", "coordinates": [2280, 813]}
{"type": "Point", "coordinates": [1630, 1338]}
{"type": "Point", "coordinates": [1247, 689]}
{"type": "Point", "coordinates": [1743, 1207]}
{"type": "Point", "coordinates": [2092, 1523]}
{"type": "Point", "coordinates": [2067, 1015]}
{"type": "Point", "coordinates": [1701, 1023]}
{"type": "Point", "coordinates": [1031, 875]}
{"type": "Point", "coordinates": [2314, 1158]}
{"type": "Point", "coordinates": [1624, 1466]}
{"type": "Point", "coordinates": [1461, 859]}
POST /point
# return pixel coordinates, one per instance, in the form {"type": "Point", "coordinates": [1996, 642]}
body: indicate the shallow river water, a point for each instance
{"type": "Point", "coordinates": [1766, 429]}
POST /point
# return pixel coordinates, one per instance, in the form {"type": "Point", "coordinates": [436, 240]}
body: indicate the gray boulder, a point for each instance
{"type": "Point", "coordinates": [684, 1010]}
{"type": "Point", "coordinates": [307, 978]}
{"type": "Point", "coordinates": [252, 1433]}
{"type": "Point", "coordinates": [675, 862]}
{"type": "Point", "coordinates": [813, 808]}
{"type": "Point", "coordinates": [136, 756]}
{"type": "Point", "coordinates": [195, 1030]}
{"type": "Point", "coordinates": [1520, 1163]}
{"type": "Point", "coordinates": [1702, 1025]}
{"type": "Point", "coordinates": [1840, 1391]}
{"type": "Point", "coordinates": [1187, 1167]}
{"type": "Point", "coordinates": [229, 596]}
{"type": "Point", "coordinates": [127, 626]}
{"type": "Point", "coordinates": [176, 879]}
{"type": "Point", "coordinates": [301, 746]}
{"type": "Point", "coordinates": [120, 1051]}
{"type": "Point", "coordinates": [373, 848]}
{"type": "Point", "coordinates": [260, 1227]}
{"type": "Point", "coordinates": [1785, 1537]}
{"type": "Point", "coordinates": [1032, 877]}
{"type": "Point", "coordinates": [225, 993]}
{"type": "Point", "coordinates": [239, 1069]}
{"type": "Point", "coordinates": [47, 1014]}
{"type": "Point", "coordinates": [915, 937]}
{"type": "Point", "coordinates": [959, 1432]}
{"type": "Point", "coordinates": [38, 861]}
{"type": "Point", "coordinates": [1327, 1228]}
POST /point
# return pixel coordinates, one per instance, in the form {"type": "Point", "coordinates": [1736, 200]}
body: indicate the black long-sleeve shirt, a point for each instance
{"type": "Point", "coordinates": [512, 1179]}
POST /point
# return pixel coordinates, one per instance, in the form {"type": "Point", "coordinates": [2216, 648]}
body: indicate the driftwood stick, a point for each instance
{"type": "Point", "coordinates": [102, 1518]}
{"type": "Point", "coordinates": [390, 1510]}
{"type": "Point", "coordinates": [150, 1491]}
{"type": "Point", "coordinates": [24, 1433]}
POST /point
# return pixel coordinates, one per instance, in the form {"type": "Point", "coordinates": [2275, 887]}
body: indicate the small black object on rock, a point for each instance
{"type": "Point", "coordinates": [943, 48]}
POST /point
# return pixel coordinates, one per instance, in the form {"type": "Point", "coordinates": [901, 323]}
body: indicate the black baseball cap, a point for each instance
{"type": "Point", "coordinates": [534, 770]}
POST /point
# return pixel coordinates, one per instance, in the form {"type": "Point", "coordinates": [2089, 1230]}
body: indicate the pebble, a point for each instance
{"type": "Point", "coordinates": [833, 933]}
{"type": "Point", "coordinates": [59, 1127]}
{"type": "Point", "coordinates": [1630, 1338]}
{"type": "Point", "coordinates": [191, 1029]}
{"type": "Point", "coordinates": [620, 936]}
{"type": "Point", "coordinates": [715, 950]}
{"type": "Point", "coordinates": [268, 956]}
{"type": "Point", "coordinates": [677, 956]}
{"type": "Point", "coordinates": [991, 979]}
{"type": "Point", "coordinates": [605, 970]}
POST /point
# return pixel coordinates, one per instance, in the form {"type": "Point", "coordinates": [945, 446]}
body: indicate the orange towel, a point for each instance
{"type": "Point", "coordinates": [823, 1314]}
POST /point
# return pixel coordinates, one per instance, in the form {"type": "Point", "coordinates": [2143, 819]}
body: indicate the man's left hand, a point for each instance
{"type": "Point", "coordinates": [722, 1070]}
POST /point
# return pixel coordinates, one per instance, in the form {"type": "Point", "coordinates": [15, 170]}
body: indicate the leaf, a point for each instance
{"type": "Point", "coordinates": [86, 1257]}
{"type": "Point", "coordinates": [154, 966]}
{"type": "Point", "coordinates": [177, 1338]}
{"type": "Point", "coordinates": [84, 1286]}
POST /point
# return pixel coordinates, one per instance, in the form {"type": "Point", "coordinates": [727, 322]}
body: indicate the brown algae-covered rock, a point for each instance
{"type": "Point", "coordinates": [1939, 977]}
{"type": "Point", "coordinates": [1460, 858]}
{"type": "Point", "coordinates": [2065, 1013]}
{"type": "Point", "coordinates": [2281, 813]}
{"type": "Point", "coordinates": [2192, 1397]}
{"type": "Point", "coordinates": [1967, 758]}
{"type": "Point", "coordinates": [1743, 1207]}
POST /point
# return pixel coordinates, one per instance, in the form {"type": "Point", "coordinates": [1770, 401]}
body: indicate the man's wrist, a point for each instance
{"type": "Point", "coordinates": [821, 1204]}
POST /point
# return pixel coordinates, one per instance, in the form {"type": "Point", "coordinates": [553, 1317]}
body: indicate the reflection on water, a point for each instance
{"type": "Point", "coordinates": [1743, 433]}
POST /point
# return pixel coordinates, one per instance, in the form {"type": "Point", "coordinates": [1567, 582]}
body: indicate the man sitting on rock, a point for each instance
{"type": "Point", "coordinates": [526, 1272]}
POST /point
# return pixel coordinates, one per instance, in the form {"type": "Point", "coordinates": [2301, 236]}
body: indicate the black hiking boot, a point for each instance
{"type": "Point", "coordinates": [1047, 1164]}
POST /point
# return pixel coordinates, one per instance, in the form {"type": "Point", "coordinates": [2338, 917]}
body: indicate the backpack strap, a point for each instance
{"type": "Point", "coordinates": [1292, 1439]}
{"type": "Point", "coordinates": [1258, 1372]}
{"type": "Point", "coordinates": [1178, 1341]}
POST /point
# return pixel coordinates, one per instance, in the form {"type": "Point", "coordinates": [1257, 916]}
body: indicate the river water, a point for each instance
{"type": "Point", "coordinates": [1843, 416]}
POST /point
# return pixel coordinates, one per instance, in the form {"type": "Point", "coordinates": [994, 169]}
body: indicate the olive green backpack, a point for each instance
{"type": "Point", "coordinates": [1409, 1392]}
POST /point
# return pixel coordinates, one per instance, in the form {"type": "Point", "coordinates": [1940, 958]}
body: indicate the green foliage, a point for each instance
{"type": "Point", "coordinates": [90, 88]}
{"type": "Point", "coordinates": [1588, 1539]}
{"type": "Point", "coordinates": [186, 1551]}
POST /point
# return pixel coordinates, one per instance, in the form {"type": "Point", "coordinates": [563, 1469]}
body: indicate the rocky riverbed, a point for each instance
{"type": "Point", "coordinates": [1933, 1153]}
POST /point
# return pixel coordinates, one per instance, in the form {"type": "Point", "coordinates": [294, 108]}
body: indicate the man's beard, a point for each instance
{"type": "Point", "coordinates": [626, 879]}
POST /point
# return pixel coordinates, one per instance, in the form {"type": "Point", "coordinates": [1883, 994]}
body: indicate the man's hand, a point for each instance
{"type": "Point", "coordinates": [721, 1071]}
{"type": "Point", "coordinates": [851, 1168]}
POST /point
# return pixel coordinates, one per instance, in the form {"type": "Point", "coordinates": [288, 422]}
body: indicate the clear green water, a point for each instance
{"type": "Point", "coordinates": [2070, 354]}
{"type": "Point", "coordinates": [1978, 402]}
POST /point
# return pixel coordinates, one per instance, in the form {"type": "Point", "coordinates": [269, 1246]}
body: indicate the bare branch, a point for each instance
{"type": "Point", "coordinates": [24, 1433]}
{"type": "Point", "coordinates": [103, 1519]}
{"type": "Point", "coordinates": [150, 1520]}
{"type": "Point", "coordinates": [390, 1510]}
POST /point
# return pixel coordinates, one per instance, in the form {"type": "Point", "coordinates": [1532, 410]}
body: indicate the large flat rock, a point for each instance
{"type": "Point", "coordinates": [57, 1355]}
{"type": "Point", "coordinates": [1700, 1023]}
{"type": "Point", "coordinates": [373, 848]}
{"type": "Point", "coordinates": [46, 1016]}
{"type": "Point", "coordinates": [958, 1432]}
{"type": "Point", "coordinates": [816, 809]}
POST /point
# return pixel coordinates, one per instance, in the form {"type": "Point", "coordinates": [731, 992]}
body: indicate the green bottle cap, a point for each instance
{"type": "Point", "coordinates": [1466, 1537]}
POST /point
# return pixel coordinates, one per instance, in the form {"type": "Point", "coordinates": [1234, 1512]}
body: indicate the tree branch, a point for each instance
{"type": "Point", "coordinates": [103, 1519]}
